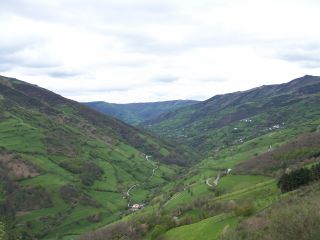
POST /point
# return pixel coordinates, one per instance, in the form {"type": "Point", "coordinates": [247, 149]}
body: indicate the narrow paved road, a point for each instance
{"type": "Point", "coordinates": [172, 198]}
{"type": "Point", "coordinates": [215, 182]}
{"type": "Point", "coordinates": [207, 182]}
{"type": "Point", "coordinates": [127, 194]}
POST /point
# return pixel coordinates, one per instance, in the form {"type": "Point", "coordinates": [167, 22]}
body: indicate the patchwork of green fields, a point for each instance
{"type": "Point", "coordinates": [85, 162]}
{"type": "Point", "coordinates": [208, 229]}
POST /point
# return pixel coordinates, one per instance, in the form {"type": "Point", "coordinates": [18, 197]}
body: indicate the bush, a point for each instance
{"type": "Point", "coordinates": [218, 191]}
{"type": "Point", "coordinates": [121, 230]}
{"type": "Point", "coordinates": [2, 231]}
{"type": "Point", "coordinates": [90, 173]}
{"type": "Point", "coordinates": [94, 218]}
{"type": "Point", "coordinates": [31, 198]}
{"type": "Point", "coordinates": [295, 179]}
{"type": "Point", "coordinates": [244, 209]}
{"type": "Point", "coordinates": [157, 231]}
{"type": "Point", "coordinates": [73, 195]}
{"type": "Point", "coordinates": [296, 218]}
{"type": "Point", "coordinates": [315, 172]}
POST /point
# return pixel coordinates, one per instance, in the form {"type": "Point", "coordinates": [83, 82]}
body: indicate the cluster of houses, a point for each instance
{"type": "Point", "coordinates": [277, 126]}
{"type": "Point", "coordinates": [246, 120]}
{"type": "Point", "coordinates": [136, 207]}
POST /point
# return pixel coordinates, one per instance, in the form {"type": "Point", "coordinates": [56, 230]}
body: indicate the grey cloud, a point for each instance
{"type": "Point", "coordinates": [63, 74]}
{"type": "Point", "coordinates": [214, 79]}
{"type": "Point", "coordinates": [126, 13]}
{"type": "Point", "coordinates": [130, 64]}
{"type": "Point", "coordinates": [12, 52]}
{"type": "Point", "coordinates": [39, 63]}
{"type": "Point", "coordinates": [117, 12]}
{"type": "Point", "coordinates": [14, 60]}
{"type": "Point", "coordinates": [11, 61]}
{"type": "Point", "coordinates": [111, 89]}
{"type": "Point", "coordinates": [130, 12]}
{"type": "Point", "coordinates": [165, 79]}
{"type": "Point", "coordinates": [307, 56]}
{"type": "Point", "coordinates": [4, 50]}
{"type": "Point", "coordinates": [5, 67]}
{"type": "Point", "coordinates": [85, 90]}
{"type": "Point", "coordinates": [201, 38]}
{"type": "Point", "coordinates": [8, 61]}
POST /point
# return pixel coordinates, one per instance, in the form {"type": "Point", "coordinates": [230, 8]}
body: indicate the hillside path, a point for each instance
{"type": "Point", "coordinates": [215, 182]}
{"type": "Point", "coordinates": [127, 194]}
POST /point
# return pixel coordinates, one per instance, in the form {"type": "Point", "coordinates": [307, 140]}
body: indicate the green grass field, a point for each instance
{"type": "Point", "coordinates": [231, 183]}
{"type": "Point", "coordinates": [208, 229]}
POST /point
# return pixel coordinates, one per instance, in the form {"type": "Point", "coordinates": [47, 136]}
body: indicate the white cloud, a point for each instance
{"type": "Point", "coordinates": [132, 51]}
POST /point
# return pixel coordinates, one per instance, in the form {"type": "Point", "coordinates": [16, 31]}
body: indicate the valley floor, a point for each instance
{"type": "Point", "coordinates": [213, 198]}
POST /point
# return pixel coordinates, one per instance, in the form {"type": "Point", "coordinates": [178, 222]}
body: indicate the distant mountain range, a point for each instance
{"type": "Point", "coordinates": [136, 113]}
{"type": "Point", "coordinates": [227, 119]}
{"type": "Point", "coordinates": [248, 140]}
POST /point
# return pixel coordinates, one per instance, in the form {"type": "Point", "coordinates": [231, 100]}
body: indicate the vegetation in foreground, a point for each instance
{"type": "Point", "coordinates": [296, 217]}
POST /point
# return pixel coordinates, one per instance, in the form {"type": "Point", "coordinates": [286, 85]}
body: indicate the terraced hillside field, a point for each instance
{"type": "Point", "coordinates": [231, 119]}
{"type": "Point", "coordinates": [214, 198]}
{"type": "Point", "coordinates": [66, 169]}
{"type": "Point", "coordinates": [191, 207]}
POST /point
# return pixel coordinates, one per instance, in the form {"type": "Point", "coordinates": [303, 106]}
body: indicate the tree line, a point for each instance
{"type": "Point", "coordinates": [296, 178]}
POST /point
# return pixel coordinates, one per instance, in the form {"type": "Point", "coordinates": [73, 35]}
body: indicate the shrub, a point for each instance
{"type": "Point", "coordinates": [2, 231]}
{"type": "Point", "coordinates": [90, 173]}
{"type": "Point", "coordinates": [94, 218]}
{"type": "Point", "coordinates": [219, 191]}
{"type": "Point", "coordinates": [294, 218]}
{"type": "Point", "coordinates": [245, 209]}
{"type": "Point", "coordinates": [73, 195]}
{"type": "Point", "coordinates": [157, 231]}
{"type": "Point", "coordinates": [121, 230]}
{"type": "Point", "coordinates": [295, 179]}
{"type": "Point", "coordinates": [31, 198]}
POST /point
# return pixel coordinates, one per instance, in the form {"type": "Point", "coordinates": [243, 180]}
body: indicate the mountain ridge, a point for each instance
{"type": "Point", "coordinates": [64, 165]}
{"type": "Point", "coordinates": [135, 113]}
{"type": "Point", "coordinates": [225, 111]}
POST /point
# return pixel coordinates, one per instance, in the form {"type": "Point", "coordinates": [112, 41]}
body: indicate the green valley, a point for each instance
{"type": "Point", "coordinates": [136, 113]}
{"type": "Point", "coordinates": [65, 169]}
{"type": "Point", "coordinates": [231, 119]}
{"type": "Point", "coordinates": [69, 172]}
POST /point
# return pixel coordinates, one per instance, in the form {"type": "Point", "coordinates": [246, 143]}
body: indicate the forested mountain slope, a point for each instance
{"type": "Point", "coordinates": [66, 168]}
{"type": "Point", "coordinates": [135, 113]}
{"type": "Point", "coordinates": [230, 119]}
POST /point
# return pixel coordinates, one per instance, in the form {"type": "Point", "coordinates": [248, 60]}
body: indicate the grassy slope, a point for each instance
{"type": "Point", "coordinates": [210, 228]}
{"type": "Point", "coordinates": [230, 119]}
{"type": "Point", "coordinates": [216, 127]}
{"type": "Point", "coordinates": [296, 152]}
{"type": "Point", "coordinates": [57, 137]}
{"type": "Point", "coordinates": [135, 113]}
{"type": "Point", "coordinates": [190, 187]}
{"type": "Point", "coordinates": [261, 191]}
{"type": "Point", "coordinates": [295, 217]}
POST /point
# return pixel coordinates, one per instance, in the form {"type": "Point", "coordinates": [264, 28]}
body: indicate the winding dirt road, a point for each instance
{"type": "Point", "coordinates": [127, 194]}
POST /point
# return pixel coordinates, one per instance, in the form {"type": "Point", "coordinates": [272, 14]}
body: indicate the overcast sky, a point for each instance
{"type": "Point", "coordinates": [151, 50]}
